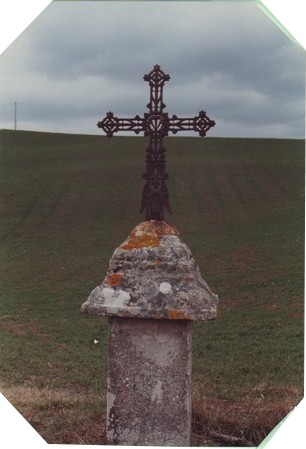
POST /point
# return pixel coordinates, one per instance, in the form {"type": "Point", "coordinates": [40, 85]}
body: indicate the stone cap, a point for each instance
{"type": "Point", "coordinates": [152, 274]}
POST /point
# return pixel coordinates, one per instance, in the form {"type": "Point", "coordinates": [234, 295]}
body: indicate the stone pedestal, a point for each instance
{"type": "Point", "coordinates": [149, 382]}
{"type": "Point", "coordinates": [152, 291]}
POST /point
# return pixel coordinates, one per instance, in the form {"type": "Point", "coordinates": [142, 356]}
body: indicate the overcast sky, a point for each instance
{"type": "Point", "coordinates": [79, 60]}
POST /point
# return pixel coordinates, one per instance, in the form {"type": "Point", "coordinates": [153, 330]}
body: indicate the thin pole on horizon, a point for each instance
{"type": "Point", "coordinates": [15, 115]}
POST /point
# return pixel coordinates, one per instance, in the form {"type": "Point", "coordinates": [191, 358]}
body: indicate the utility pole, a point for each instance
{"type": "Point", "coordinates": [15, 115]}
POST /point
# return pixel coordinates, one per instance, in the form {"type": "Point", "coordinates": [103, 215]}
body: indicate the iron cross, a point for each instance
{"type": "Point", "coordinates": [156, 124]}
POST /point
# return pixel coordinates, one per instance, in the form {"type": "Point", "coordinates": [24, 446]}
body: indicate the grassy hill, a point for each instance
{"type": "Point", "coordinates": [67, 201]}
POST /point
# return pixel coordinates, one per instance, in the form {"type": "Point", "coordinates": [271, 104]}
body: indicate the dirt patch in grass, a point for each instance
{"type": "Point", "coordinates": [27, 328]}
{"type": "Point", "coordinates": [15, 329]}
{"type": "Point", "coordinates": [295, 315]}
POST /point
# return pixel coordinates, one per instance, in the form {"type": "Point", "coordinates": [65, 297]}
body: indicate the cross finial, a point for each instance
{"type": "Point", "coordinates": [156, 125]}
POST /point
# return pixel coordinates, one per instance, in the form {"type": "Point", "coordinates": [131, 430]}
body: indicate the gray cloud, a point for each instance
{"type": "Point", "coordinates": [78, 60]}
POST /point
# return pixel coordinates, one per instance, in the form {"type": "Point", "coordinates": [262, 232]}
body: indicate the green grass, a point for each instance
{"type": "Point", "coordinates": [69, 200]}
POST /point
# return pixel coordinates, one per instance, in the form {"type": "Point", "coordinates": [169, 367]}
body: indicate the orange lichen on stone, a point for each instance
{"type": "Point", "coordinates": [178, 315]}
{"type": "Point", "coordinates": [140, 241]}
{"type": "Point", "coordinates": [114, 279]}
{"type": "Point", "coordinates": [148, 234]}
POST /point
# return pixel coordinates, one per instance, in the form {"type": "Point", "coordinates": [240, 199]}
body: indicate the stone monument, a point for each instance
{"type": "Point", "coordinates": [151, 293]}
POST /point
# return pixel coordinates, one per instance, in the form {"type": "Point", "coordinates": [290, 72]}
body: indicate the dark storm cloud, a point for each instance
{"type": "Point", "coordinates": [77, 61]}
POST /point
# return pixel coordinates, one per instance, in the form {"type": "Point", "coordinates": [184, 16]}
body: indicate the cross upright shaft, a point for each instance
{"type": "Point", "coordinates": [156, 125]}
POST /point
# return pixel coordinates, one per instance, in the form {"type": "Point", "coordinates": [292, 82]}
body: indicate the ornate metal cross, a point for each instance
{"type": "Point", "coordinates": [156, 124]}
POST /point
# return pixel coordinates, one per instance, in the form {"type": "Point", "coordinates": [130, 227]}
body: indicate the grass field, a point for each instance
{"type": "Point", "coordinates": [69, 200]}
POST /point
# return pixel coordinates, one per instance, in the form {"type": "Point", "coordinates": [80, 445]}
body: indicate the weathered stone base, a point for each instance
{"type": "Point", "coordinates": [149, 382]}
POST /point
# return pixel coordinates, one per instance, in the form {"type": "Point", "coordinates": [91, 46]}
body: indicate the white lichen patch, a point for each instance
{"type": "Point", "coordinates": [165, 288]}
{"type": "Point", "coordinates": [108, 292]}
{"type": "Point", "coordinates": [115, 300]}
{"type": "Point", "coordinates": [157, 393]}
{"type": "Point", "coordinates": [123, 296]}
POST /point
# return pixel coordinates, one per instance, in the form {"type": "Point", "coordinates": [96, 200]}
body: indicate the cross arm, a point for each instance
{"type": "Point", "coordinates": [201, 124]}
{"type": "Point", "coordinates": [111, 124]}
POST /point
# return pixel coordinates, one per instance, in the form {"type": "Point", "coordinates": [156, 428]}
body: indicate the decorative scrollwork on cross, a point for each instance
{"type": "Point", "coordinates": [156, 125]}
